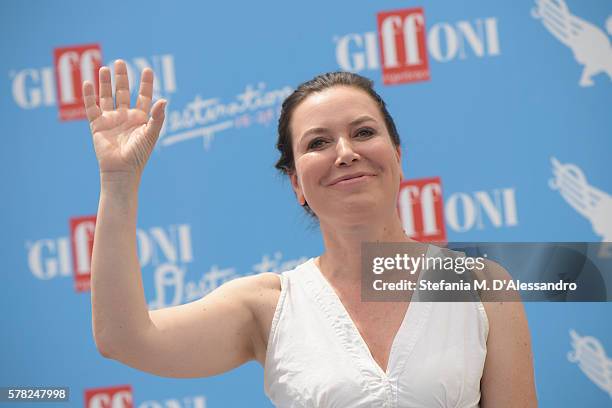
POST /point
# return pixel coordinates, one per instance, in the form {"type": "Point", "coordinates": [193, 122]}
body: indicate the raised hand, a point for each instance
{"type": "Point", "coordinates": [123, 138]}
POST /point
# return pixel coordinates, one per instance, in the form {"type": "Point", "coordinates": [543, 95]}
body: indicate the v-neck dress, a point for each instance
{"type": "Point", "coordinates": [316, 356]}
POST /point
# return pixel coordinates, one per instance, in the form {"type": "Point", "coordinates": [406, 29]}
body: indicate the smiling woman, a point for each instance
{"type": "Point", "coordinates": [319, 343]}
{"type": "Point", "coordinates": [317, 137]}
{"type": "Point", "coordinates": [333, 140]}
{"type": "Point", "coordinates": [341, 150]}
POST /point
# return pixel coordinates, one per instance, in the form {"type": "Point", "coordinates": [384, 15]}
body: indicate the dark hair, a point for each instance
{"type": "Point", "coordinates": [286, 163]}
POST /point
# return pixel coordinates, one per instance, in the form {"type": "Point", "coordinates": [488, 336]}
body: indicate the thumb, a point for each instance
{"type": "Point", "coordinates": [157, 118]}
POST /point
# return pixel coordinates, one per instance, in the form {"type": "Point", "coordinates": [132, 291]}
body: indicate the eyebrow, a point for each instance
{"type": "Point", "coordinates": [354, 122]}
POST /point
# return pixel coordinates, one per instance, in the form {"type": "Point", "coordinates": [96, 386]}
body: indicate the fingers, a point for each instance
{"type": "Point", "coordinates": [146, 90]}
{"type": "Point", "coordinates": [106, 91]}
{"type": "Point", "coordinates": [89, 99]}
{"type": "Point", "coordinates": [122, 86]}
{"type": "Point", "coordinates": [122, 90]}
{"type": "Point", "coordinates": [157, 118]}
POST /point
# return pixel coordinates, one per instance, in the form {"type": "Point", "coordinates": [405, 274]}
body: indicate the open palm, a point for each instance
{"type": "Point", "coordinates": [123, 138]}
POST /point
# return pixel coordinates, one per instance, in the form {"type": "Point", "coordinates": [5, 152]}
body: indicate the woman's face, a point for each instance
{"type": "Point", "coordinates": [338, 133]}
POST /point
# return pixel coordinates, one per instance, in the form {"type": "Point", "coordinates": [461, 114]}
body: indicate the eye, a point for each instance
{"type": "Point", "coordinates": [316, 143]}
{"type": "Point", "coordinates": [365, 132]}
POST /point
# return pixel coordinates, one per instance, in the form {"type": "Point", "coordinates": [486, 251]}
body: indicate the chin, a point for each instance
{"type": "Point", "coordinates": [359, 210]}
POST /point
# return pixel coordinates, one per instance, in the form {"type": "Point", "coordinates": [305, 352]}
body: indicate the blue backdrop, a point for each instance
{"type": "Point", "coordinates": [507, 108]}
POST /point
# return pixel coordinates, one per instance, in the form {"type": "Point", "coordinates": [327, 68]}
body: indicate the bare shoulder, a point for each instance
{"type": "Point", "coordinates": [504, 309]}
{"type": "Point", "coordinates": [262, 292]}
{"type": "Point", "coordinates": [267, 280]}
{"type": "Point", "coordinates": [258, 286]}
{"type": "Point", "coordinates": [252, 287]}
{"type": "Point", "coordinates": [508, 378]}
{"type": "Point", "coordinates": [494, 300]}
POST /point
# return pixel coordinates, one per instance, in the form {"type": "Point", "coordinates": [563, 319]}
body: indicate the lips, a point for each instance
{"type": "Point", "coordinates": [349, 176]}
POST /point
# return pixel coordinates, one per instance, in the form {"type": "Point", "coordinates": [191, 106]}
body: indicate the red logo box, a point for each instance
{"type": "Point", "coordinates": [109, 397]}
{"type": "Point", "coordinates": [421, 208]}
{"type": "Point", "coordinates": [73, 65]}
{"type": "Point", "coordinates": [81, 240]}
{"type": "Point", "coordinates": [403, 47]}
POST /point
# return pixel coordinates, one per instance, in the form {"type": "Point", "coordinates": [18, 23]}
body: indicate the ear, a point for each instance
{"type": "Point", "coordinates": [295, 184]}
{"type": "Point", "coordinates": [398, 154]}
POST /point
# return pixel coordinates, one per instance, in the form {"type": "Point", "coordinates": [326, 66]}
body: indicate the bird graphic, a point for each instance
{"type": "Point", "coordinates": [592, 203]}
{"type": "Point", "coordinates": [592, 360]}
{"type": "Point", "coordinates": [590, 45]}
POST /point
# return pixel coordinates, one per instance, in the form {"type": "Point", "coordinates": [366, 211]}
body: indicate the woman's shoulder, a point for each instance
{"type": "Point", "coordinates": [509, 353]}
{"type": "Point", "coordinates": [273, 281]}
{"type": "Point", "coordinates": [256, 285]}
{"type": "Point", "coordinates": [267, 280]}
{"type": "Point", "coordinates": [499, 305]}
{"type": "Point", "coordinates": [262, 293]}
{"type": "Point", "coordinates": [259, 293]}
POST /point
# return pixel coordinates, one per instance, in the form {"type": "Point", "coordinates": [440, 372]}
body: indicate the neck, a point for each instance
{"type": "Point", "coordinates": [341, 260]}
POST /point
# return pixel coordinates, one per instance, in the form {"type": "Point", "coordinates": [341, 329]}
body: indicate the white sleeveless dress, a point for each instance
{"type": "Point", "coordinates": [316, 356]}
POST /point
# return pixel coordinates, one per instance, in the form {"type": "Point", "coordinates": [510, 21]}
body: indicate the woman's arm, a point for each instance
{"type": "Point", "coordinates": [202, 338]}
{"type": "Point", "coordinates": [508, 378]}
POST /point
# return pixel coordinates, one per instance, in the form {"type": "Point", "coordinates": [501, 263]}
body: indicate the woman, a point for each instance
{"type": "Point", "coordinates": [341, 151]}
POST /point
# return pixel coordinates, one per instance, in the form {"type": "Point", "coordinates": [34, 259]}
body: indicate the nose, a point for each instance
{"type": "Point", "coordinates": [345, 155]}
